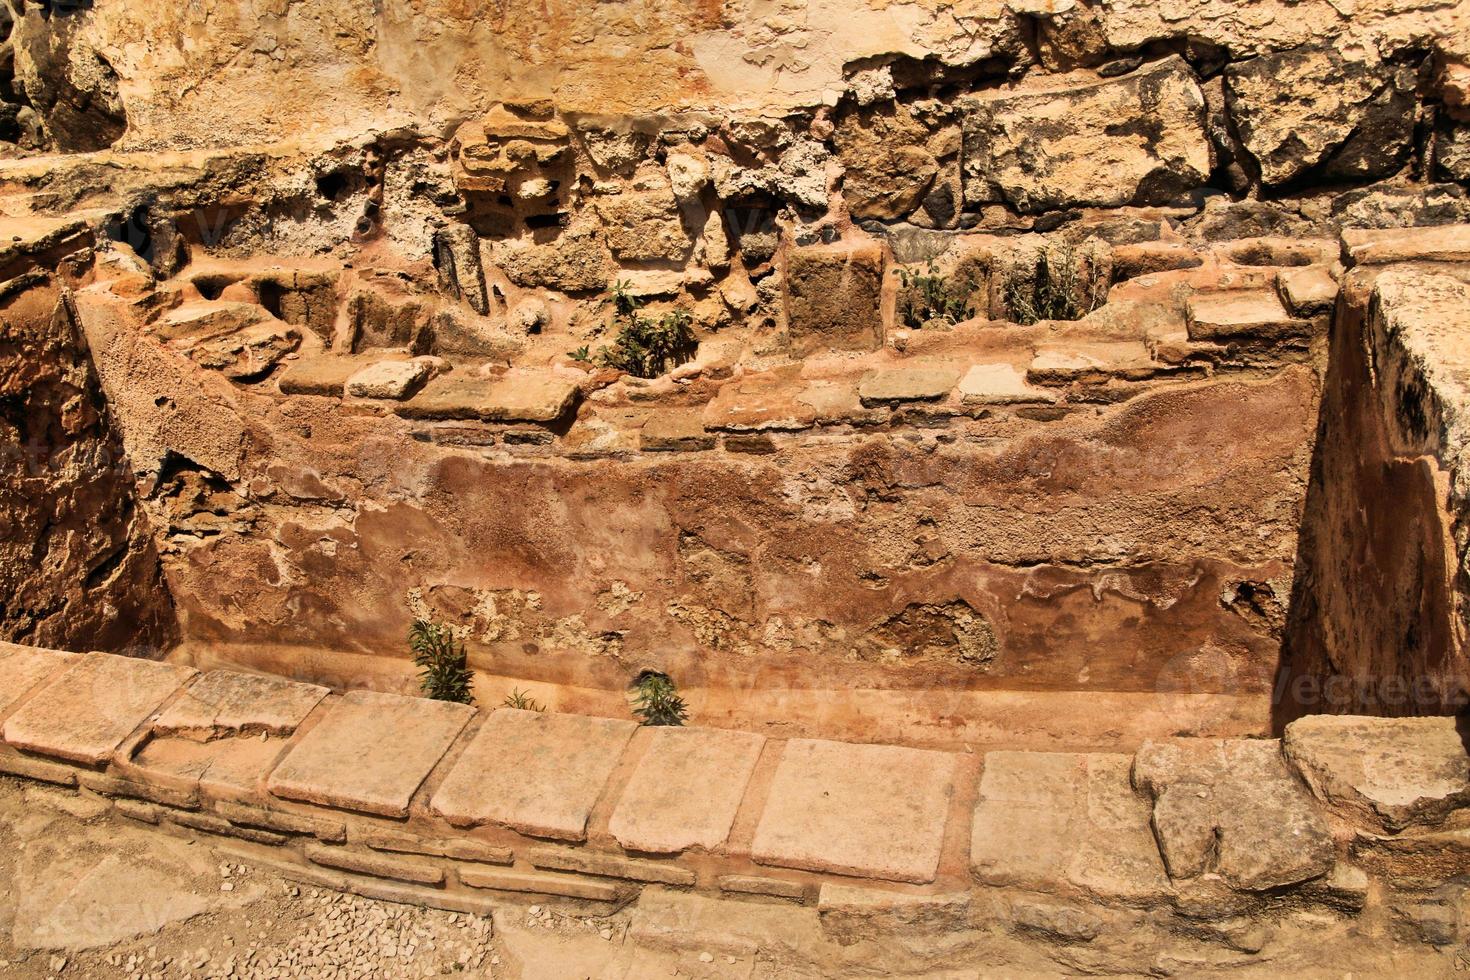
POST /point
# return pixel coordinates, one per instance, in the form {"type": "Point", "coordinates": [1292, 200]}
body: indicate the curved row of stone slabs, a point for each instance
{"type": "Point", "coordinates": [375, 782]}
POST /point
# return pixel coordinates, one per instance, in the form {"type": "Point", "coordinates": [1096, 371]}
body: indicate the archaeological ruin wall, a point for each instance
{"type": "Point", "coordinates": [998, 336]}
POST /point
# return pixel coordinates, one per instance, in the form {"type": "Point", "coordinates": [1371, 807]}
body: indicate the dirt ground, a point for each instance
{"type": "Point", "coordinates": [84, 893]}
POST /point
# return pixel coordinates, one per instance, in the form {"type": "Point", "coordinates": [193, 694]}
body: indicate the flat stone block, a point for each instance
{"type": "Point", "coordinates": [539, 884]}
{"type": "Point", "coordinates": [833, 296]}
{"type": "Point", "coordinates": [758, 885]}
{"type": "Point", "coordinates": [675, 432]}
{"type": "Point", "coordinates": [324, 375]}
{"type": "Point", "coordinates": [225, 701]}
{"type": "Point", "coordinates": [23, 667]}
{"type": "Point", "coordinates": [1063, 822]}
{"type": "Point", "coordinates": [87, 712]}
{"type": "Point", "coordinates": [1308, 291]}
{"type": "Point", "coordinates": [1231, 807]}
{"type": "Point", "coordinates": [376, 865]}
{"type": "Point", "coordinates": [1389, 774]}
{"type": "Point", "coordinates": [524, 396]}
{"type": "Point", "coordinates": [330, 831]}
{"type": "Point", "coordinates": [1255, 314]}
{"type": "Point", "coordinates": [1064, 364]}
{"type": "Point", "coordinates": [370, 753]}
{"type": "Point", "coordinates": [533, 772]}
{"type": "Point", "coordinates": [907, 385]}
{"type": "Point", "coordinates": [1375, 246]}
{"type": "Point", "coordinates": [760, 403]}
{"type": "Point", "coordinates": [15, 764]}
{"type": "Point", "coordinates": [872, 811]}
{"type": "Point", "coordinates": [1000, 384]}
{"type": "Point", "coordinates": [231, 766]}
{"type": "Point", "coordinates": [393, 380]}
{"type": "Point", "coordinates": [685, 790]}
{"type": "Point", "coordinates": [612, 866]}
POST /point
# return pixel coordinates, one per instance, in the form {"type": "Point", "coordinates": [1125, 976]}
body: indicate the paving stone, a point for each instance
{"type": "Point", "coordinates": [907, 385]}
{"type": "Point", "coordinates": [370, 753]}
{"type": "Point", "coordinates": [228, 701]}
{"type": "Point", "coordinates": [1231, 807]}
{"type": "Point", "coordinates": [1308, 291]}
{"type": "Point", "coordinates": [1000, 384]}
{"type": "Point", "coordinates": [1061, 822]}
{"type": "Point", "coordinates": [22, 668]}
{"type": "Point", "coordinates": [86, 713]}
{"type": "Point", "coordinates": [1255, 314]}
{"type": "Point", "coordinates": [534, 772]}
{"type": "Point", "coordinates": [1064, 364]}
{"type": "Point", "coordinates": [393, 380]}
{"type": "Point", "coordinates": [223, 767]}
{"type": "Point", "coordinates": [517, 396]}
{"type": "Point", "coordinates": [1442, 243]}
{"type": "Point", "coordinates": [872, 811]}
{"type": "Point", "coordinates": [675, 431]}
{"type": "Point", "coordinates": [1386, 773]}
{"type": "Point", "coordinates": [685, 790]}
{"type": "Point", "coordinates": [322, 375]}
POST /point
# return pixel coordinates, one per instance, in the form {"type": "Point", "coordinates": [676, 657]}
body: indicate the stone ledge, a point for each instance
{"type": "Point", "coordinates": [376, 865]}
{"type": "Point", "coordinates": [541, 884]}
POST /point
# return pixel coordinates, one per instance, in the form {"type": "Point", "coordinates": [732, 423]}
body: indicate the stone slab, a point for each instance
{"type": "Point", "coordinates": [1384, 246]}
{"type": "Point", "coordinates": [227, 701]}
{"type": "Point", "coordinates": [1387, 773]}
{"type": "Point", "coordinates": [673, 431]}
{"type": "Point", "coordinates": [1243, 313]}
{"type": "Point", "coordinates": [1308, 291]}
{"type": "Point", "coordinates": [23, 667]}
{"type": "Point", "coordinates": [1061, 823]}
{"type": "Point", "coordinates": [524, 396]}
{"type": "Point", "coordinates": [370, 753]}
{"type": "Point", "coordinates": [534, 772]}
{"type": "Point", "coordinates": [910, 384]}
{"type": "Point", "coordinates": [872, 811]}
{"type": "Point", "coordinates": [393, 380]}
{"type": "Point", "coordinates": [685, 790]}
{"type": "Point", "coordinates": [1231, 807]}
{"type": "Point", "coordinates": [324, 375]}
{"type": "Point", "coordinates": [223, 767]}
{"type": "Point", "coordinates": [763, 402]}
{"type": "Point", "coordinates": [1000, 384]}
{"type": "Point", "coordinates": [563, 886]}
{"type": "Point", "coordinates": [86, 713]}
{"type": "Point", "coordinates": [1087, 361]}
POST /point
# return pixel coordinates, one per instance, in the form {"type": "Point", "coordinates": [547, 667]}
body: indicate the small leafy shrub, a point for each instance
{"type": "Point", "coordinates": [444, 672]}
{"type": "Point", "coordinates": [522, 701]}
{"type": "Point", "coordinates": [582, 355]}
{"type": "Point", "coordinates": [1058, 289]}
{"type": "Point", "coordinates": [656, 700]}
{"type": "Point", "coordinates": [929, 296]}
{"type": "Point", "coordinates": [645, 347]}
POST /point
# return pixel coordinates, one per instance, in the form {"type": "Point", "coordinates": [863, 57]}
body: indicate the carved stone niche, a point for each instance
{"type": "Point", "coordinates": [514, 167]}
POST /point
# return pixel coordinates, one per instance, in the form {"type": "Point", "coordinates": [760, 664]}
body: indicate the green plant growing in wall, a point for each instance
{"type": "Point", "coordinates": [444, 672]}
{"type": "Point", "coordinates": [522, 701]}
{"type": "Point", "coordinates": [645, 347]}
{"type": "Point", "coordinates": [1057, 289]}
{"type": "Point", "coordinates": [930, 296]}
{"type": "Point", "coordinates": [656, 700]}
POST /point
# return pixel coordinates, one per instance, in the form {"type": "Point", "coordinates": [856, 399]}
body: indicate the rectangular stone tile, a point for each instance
{"type": "Point", "coordinates": [685, 790]}
{"type": "Point", "coordinates": [87, 712]}
{"type": "Point", "coordinates": [223, 767]}
{"type": "Point", "coordinates": [523, 396]}
{"type": "Point", "coordinates": [370, 753]}
{"type": "Point", "coordinates": [1064, 822]}
{"type": "Point", "coordinates": [1242, 313]}
{"type": "Point", "coordinates": [873, 811]}
{"type": "Point", "coordinates": [533, 772]}
{"type": "Point", "coordinates": [23, 667]}
{"type": "Point", "coordinates": [540, 884]}
{"type": "Point", "coordinates": [234, 702]}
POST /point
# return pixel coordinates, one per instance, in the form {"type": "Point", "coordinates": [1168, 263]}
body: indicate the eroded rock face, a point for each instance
{"type": "Point", "coordinates": [1136, 139]}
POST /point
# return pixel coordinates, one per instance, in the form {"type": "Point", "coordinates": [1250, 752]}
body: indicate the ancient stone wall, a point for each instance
{"type": "Point", "coordinates": [77, 563]}
{"type": "Point", "coordinates": [1379, 619]}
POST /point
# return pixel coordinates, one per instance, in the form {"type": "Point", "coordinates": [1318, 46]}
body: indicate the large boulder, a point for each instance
{"type": "Point", "coordinates": [1137, 139]}
{"type": "Point", "coordinates": [1312, 109]}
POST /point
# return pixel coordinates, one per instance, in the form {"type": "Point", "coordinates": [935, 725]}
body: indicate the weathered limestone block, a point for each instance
{"type": "Point", "coordinates": [228, 702]}
{"type": "Point", "coordinates": [508, 148]}
{"type": "Point", "coordinates": [833, 807]}
{"type": "Point", "coordinates": [1231, 806]}
{"type": "Point", "coordinates": [888, 167]}
{"type": "Point", "coordinates": [834, 296]}
{"type": "Point", "coordinates": [907, 384]}
{"type": "Point", "coordinates": [1312, 108]}
{"type": "Point", "coordinates": [1138, 139]}
{"type": "Point", "coordinates": [85, 713]}
{"type": "Point", "coordinates": [394, 380]}
{"type": "Point", "coordinates": [457, 259]}
{"type": "Point", "coordinates": [644, 222]}
{"type": "Point", "coordinates": [576, 260]}
{"type": "Point", "coordinates": [686, 790]}
{"type": "Point", "coordinates": [370, 752]}
{"type": "Point", "coordinates": [1242, 314]}
{"type": "Point", "coordinates": [1386, 773]}
{"type": "Point", "coordinates": [517, 396]}
{"type": "Point", "coordinates": [22, 668]}
{"type": "Point", "coordinates": [536, 773]}
{"type": "Point", "coordinates": [1308, 291]}
{"type": "Point", "coordinates": [1063, 822]}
